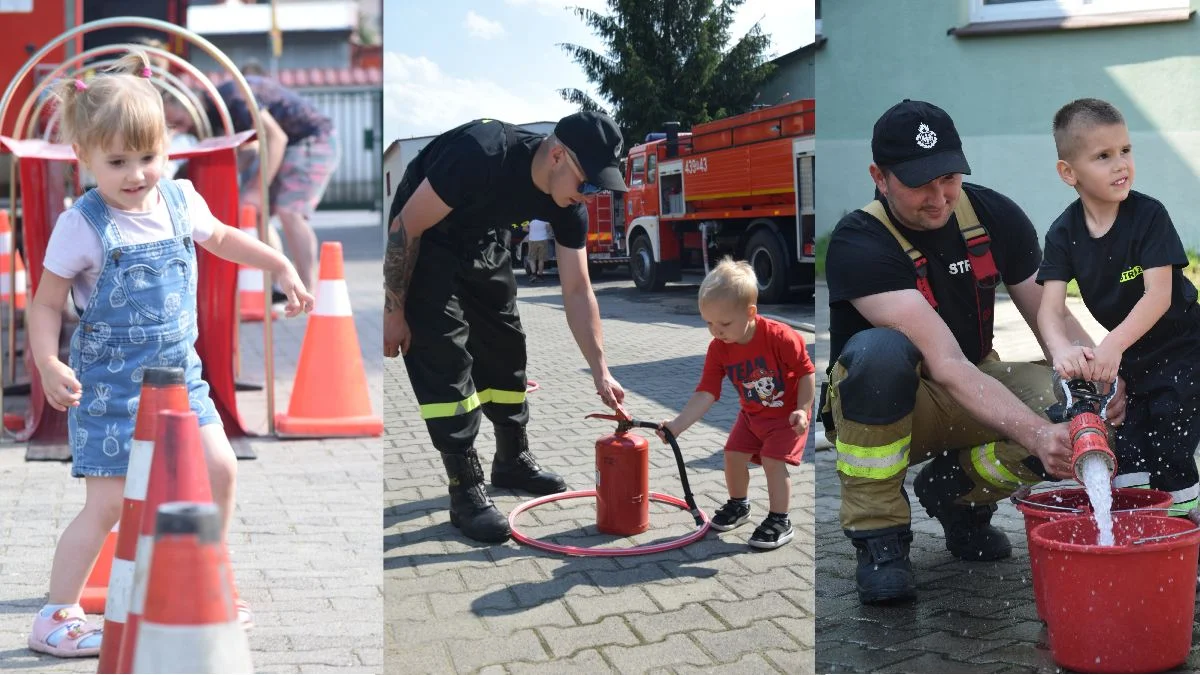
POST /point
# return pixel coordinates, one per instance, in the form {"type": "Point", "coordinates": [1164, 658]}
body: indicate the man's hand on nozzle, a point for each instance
{"type": "Point", "coordinates": [1052, 445]}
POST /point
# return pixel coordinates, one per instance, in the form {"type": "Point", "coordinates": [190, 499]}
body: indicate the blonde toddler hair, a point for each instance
{"type": "Point", "coordinates": [119, 102]}
{"type": "Point", "coordinates": [730, 281]}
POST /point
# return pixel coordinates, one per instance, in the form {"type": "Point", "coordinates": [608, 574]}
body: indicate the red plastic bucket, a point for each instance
{"type": "Point", "coordinates": [1123, 608]}
{"type": "Point", "coordinates": [1043, 507]}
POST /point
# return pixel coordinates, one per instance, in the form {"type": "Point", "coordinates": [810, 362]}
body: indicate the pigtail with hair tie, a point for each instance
{"type": "Point", "coordinates": [146, 72]}
{"type": "Point", "coordinates": [80, 85]}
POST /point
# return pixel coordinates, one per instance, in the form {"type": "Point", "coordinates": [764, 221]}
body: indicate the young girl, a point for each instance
{"type": "Point", "coordinates": [125, 253]}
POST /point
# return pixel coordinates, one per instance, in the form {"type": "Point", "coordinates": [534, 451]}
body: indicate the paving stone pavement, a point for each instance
{"type": "Point", "coordinates": [305, 538]}
{"type": "Point", "coordinates": [454, 606]}
{"type": "Point", "coordinates": [969, 617]}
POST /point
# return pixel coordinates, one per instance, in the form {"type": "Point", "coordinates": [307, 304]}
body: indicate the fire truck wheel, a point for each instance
{"type": "Point", "coordinates": [642, 266]}
{"type": "Point", "coordinates": [765, 254]}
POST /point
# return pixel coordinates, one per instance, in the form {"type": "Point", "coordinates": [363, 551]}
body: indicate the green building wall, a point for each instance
{"type": "Point", "coordinates": [1003, 91]}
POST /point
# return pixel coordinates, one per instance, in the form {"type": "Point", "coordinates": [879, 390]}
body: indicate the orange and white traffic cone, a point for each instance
{"type": "Point", "coordinates": [330, 401]}
{"type": "Point", "coordinates": [22, 281]}
{"type": "Point", "coordinates": [251, 296]}
{"type": "Point", "coordinates": [6, 252]}
{"type": "Point", "coordinates": [95, 590]}
{"type": "Point", "coordinates": [191, 622]}
{"type": "Point", "coordinates": [178, 473]}
{"type": "Point", "coordinates": [162, 389]}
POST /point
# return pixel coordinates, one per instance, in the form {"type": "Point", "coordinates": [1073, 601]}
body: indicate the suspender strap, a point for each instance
{"type": "Point", "coordinates": [979, 244]}
{"type": "Point", "coordinates": [918, 259]}
{"type": "Point", "coordinates": [979, 252]}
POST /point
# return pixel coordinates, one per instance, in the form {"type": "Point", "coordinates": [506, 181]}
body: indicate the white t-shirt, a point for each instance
{"type": "Point", "coordinates": [539, 230]}
{"type": "Point", "coordinates": [76, 252]}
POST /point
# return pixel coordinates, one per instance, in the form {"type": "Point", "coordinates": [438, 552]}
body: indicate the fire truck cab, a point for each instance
{"type": "Point", "coordinates": [739, 186]}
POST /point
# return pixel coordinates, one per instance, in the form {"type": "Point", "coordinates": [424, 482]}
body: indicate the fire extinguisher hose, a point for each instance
{"type": "Point", "coordinates": [687, 489]}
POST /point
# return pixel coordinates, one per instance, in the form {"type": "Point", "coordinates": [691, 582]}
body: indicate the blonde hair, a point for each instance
{"type": "Point", "coordinates": [730, 281]}
{"type": "Point", "coordinates": [119, 102]}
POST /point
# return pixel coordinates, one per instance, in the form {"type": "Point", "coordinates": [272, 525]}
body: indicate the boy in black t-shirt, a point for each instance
{"type": "Point", "coordinates": [1123, 250]}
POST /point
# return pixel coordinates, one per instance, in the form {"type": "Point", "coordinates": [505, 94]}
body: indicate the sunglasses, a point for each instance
{"type": "Point", "coordinates": [585, 188]}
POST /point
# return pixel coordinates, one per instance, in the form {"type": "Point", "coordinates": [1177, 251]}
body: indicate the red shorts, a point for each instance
{"type": "Point", "coordinates": [766, 436]}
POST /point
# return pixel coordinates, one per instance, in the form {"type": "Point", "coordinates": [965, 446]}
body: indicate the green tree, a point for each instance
{"type": "Point", "coordinates": [669, 60]}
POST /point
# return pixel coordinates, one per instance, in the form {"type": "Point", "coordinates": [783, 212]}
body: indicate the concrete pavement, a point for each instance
{"type": "Point", "coordinates": [305, 538]}
{"type": "Point", "coordinates": [454, 606]}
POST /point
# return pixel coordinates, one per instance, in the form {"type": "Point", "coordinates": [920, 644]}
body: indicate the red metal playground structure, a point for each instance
{"type": "Point", "coordinates": [42, 183]}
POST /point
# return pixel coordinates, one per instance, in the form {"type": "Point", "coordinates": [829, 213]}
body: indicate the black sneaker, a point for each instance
{"type": "Point", "coordinates": [773, 533]}
{"type": "Point", "coordinates": [729, 516]}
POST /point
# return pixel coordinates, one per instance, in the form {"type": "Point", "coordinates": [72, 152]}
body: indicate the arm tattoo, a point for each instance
{"type": "Point", "coordinates": [398, 263]}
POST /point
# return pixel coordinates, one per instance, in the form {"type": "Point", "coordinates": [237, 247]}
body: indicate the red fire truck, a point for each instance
{"type": "Point", "coordinates": [741, 186]}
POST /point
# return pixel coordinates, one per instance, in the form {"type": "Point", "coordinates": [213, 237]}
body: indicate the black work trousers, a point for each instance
{"type": "Point", "coordinates": [467, 353]}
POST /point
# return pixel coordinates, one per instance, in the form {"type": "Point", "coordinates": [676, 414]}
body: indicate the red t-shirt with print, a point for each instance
{"type": "Point", "coordinates": [764, 371]}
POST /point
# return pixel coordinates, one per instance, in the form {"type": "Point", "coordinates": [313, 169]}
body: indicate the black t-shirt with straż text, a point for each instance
{"type": "Point", "coordinates": [482, 170]}
{"type": "Point", "coordinates": [864, 259]}
{"type": "Point", "coordinates": [1109, 269]}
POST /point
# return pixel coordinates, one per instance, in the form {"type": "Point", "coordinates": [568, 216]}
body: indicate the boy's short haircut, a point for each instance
{"type": "Point", "coordinates": [731, 281]}
{"type": "Point", "coordinates": [1078, 116]}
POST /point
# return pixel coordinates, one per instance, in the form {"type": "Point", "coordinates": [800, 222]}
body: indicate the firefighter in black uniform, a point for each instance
{"type": "Point", "coordinates": [913, 377]}
{"type": "Point", "coordinates": [450, 304]}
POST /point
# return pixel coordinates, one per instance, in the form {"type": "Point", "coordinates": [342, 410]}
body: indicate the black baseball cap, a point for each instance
{"type": "Point", "coordinates": [917, 141]}
{"type": "Point", "coordinates": [597, 143]}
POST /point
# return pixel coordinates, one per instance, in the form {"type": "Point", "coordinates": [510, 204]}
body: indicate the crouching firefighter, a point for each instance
{"type": "Point", "coordinates": [913, 377]}
{"type": "Point", "coordinates": [451, 296]}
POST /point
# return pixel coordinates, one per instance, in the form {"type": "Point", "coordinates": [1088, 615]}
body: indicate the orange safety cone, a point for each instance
{"type": "Point", "coordinates": [22, 278]}
{"type": "Point", "coordinates": [96, 589]}
{"type": "Point", "coordinates": [6, 251]}
{"type": "Point", "coordinates": [162, 389]}
{"type": "Point", "coordinates": [330, 394]}
{"type": "Point", "coordinates": [251, 296]}
{"type": "Point", "coordinates": [191, 622]}
{"type": "Point", "coordinates": [178, 473]}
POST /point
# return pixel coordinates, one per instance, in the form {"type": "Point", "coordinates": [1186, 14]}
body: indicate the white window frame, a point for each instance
{"type": "Point", "coordinates": [1058, 9]}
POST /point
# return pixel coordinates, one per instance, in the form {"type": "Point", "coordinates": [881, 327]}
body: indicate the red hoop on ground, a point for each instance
{"type": "Point", "coordinates": [531, 386]}
{"type": "Point", "coordinates": [680, 542]}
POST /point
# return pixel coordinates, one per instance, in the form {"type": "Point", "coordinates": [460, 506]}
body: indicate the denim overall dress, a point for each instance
{"type": "Point", "coordinates": [142, 313]}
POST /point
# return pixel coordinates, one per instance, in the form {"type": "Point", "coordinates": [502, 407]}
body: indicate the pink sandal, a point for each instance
{"type": "Point", "coordinates": [74, 627]}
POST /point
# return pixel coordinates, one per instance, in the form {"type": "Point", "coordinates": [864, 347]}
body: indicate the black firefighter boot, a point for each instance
{"type": "Point", "coordinates": [514, 466]}
{"type": "Point", "coordinates": [970, 534]}
{"type": "Point", "coordinates": [884, 571]}
{"type": "Point", "coordinates": [471, 509]}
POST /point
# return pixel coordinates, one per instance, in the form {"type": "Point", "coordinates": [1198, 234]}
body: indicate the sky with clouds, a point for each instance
{"type": "Point", "coordinates": [450, 61]}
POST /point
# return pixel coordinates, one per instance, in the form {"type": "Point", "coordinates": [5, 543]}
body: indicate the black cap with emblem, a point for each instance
{"type": "Point", "coordinates": [597, 143]}
{"type": "Point", "coordinates": [917, 142]}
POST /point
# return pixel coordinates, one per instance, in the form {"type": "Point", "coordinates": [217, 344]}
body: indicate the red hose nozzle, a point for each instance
{"type": "Point", "coordinates": [1089, 436]}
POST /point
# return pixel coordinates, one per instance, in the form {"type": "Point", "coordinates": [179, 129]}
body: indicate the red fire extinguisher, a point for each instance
{"type": "Point", "coordinates": [623, 477]}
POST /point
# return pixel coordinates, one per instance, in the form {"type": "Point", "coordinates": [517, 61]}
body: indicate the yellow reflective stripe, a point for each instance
{"type": "Point", "coordinates": [983, 458]}
{"type": "Point", "coordinates": [431, 411]}
{"type": "Point", "coordinates": [879, 462]}
{"type": "Point", "coordinates": [501, 396]}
